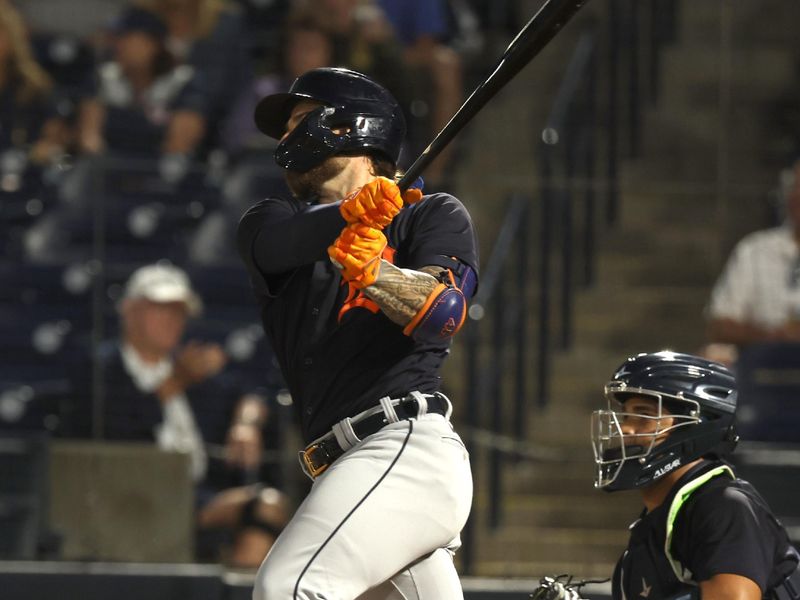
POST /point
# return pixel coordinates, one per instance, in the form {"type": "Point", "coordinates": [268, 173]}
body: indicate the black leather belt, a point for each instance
{"type": "Point", "coordinates": [320, 454]}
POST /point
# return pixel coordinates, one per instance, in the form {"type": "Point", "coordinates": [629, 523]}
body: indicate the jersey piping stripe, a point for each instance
{"type": "Point", "coordinates": [360, 502]}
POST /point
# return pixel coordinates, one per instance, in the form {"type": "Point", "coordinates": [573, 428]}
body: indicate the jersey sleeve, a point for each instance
{"type": "Point", "coordinates": [439, 231]}
{"type": "Point", "coordinates": [729, 534]}
{"type": "Point", "coordinates": [277, 236]}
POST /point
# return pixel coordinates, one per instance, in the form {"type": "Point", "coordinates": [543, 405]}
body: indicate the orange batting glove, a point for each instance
{"type": "Point", "coordinates": [357, 253]}
{"type": "Point", "coordinates": [377, 203]}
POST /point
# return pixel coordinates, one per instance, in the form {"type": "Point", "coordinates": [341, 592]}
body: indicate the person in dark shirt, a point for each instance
{"type": "Point", "coordinates": [361, 289]}
{"type": "Point", "coordinates": [141, 102]}
{"type": "Point", "coordinates": [212, 37]}
{"type": "Point", "coordinates": [175, 395]}
{"type": "Point", "coordinates": [703, 532]}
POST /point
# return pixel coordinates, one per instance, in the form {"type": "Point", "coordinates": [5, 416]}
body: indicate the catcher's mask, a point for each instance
{"type": "Point", "coordinates": [687, 412]}
{"type": "Point", "coordinates": [370, 118]}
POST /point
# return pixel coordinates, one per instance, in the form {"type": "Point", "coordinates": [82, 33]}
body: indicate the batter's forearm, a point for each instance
{"type": "Point", "coordinates": [401, 293]}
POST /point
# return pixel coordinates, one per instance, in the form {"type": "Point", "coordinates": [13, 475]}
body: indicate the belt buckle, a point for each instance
{"type": "Point", "coordinates": [312, 470]}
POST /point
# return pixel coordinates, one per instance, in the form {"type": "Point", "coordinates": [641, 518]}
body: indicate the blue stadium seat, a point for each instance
{"type": "Point", "coordinates": [768, 377]}
{"type": "Point", "coordinates": [774, 470]}
{"type": "Point", "coordinates": [126, 232]}
{"type": "Point", "coordinates": [41, 349]}
{"type": "Point", "coordinates": [40, 292]}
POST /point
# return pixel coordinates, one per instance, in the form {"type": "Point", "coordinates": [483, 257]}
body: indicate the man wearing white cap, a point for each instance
{"type": "Point", "coordinates": [154, 386]}
{"type": "Point", "coordinates": [155, 306]}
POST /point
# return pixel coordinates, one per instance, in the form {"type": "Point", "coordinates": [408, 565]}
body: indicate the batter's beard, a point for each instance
{"type": "Point", "coordinates": [308, 185]}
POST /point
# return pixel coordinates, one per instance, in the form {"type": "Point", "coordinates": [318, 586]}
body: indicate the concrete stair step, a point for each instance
{"type": "Point", "coordinates": [697, 168]}
{"type": "Point", "coordinates": [522, 568]}
{"type": "Point", "coordinates": [644, 265]}
{"type": "Point", "coordinates": [656, 270]}
{"type": "Point", "coordinates": [547, 479]}
{"type": "Point", "coordinates": [752, 21]}
{"type": "Point", "coordinates": [686, 336]}
{"type": "Point", "coordinates": [696, 130]}
{"type": "Point", "coordinates": [751, 65]}
{"type": "Point", "coordinates": [657, 207]}
{"type": "Point", "coordinates": [605, 511]}
{"type": "Point", "coordinates": [562, 544]}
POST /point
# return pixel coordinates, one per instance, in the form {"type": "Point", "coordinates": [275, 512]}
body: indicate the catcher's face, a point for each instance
{"type": "Point", "coordinates": [628, 430]}
{"type": "Point", "coordinates": [644, 419]}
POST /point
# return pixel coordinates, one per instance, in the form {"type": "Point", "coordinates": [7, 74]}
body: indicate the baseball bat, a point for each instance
{"type": "Point", "coordinates": [544, 25]}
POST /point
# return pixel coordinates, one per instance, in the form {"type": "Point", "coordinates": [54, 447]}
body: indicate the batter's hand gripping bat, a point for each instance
{"type": "Point", "coordinates": [544, 25]}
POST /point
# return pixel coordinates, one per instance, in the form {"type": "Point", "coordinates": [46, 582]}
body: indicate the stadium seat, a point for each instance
{"type": "Point", "coordinates": [768, 377]}
{"type": "Point", "coordinates": [774, 470]}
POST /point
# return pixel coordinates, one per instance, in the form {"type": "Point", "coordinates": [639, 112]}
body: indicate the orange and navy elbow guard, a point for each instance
{"type": "Point", "coordinates": [444, 311]}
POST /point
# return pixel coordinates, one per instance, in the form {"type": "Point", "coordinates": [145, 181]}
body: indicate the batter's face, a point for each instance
{"type": "Point", "coordinates": [310, 183]}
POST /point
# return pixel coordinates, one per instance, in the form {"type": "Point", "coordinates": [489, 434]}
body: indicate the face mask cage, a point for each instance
{"type": "Point", "coordinates": [613, 448]}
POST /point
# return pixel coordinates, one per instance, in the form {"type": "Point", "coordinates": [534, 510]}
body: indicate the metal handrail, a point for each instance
{"type": "Point", "coordinates": [498, 332]}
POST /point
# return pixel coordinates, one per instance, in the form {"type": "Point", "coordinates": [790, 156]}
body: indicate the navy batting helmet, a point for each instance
{"type": "Point", "coordinates": [696, 406]}
{"type": "Point", "coordinates": [370, 117]}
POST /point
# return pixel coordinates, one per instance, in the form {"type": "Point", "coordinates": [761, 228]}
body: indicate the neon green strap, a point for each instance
{"type": "Point", "coordinates": [677, 502]}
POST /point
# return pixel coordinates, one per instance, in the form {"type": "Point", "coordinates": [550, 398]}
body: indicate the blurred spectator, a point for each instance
{"type": "Point", "coordinates": [81, 19]}
{"type": "Point", "coordinates": [209, 35]}
{"type": "Point", "coordinates": [142, 103]}
{"type": "Point", "coordinates": [307, 44]}
{"type": "Point", "coordinates": [176, 396]}
{"type": "Point", "coordinates": [423, 26]}
{"type": "Point", "coordinates": [757, 297]}
{"type": "Point", "coordinates": [362, 37]}
{"type": "Point", "coordinates": [29, 126]}
{"type": "Point", "coordinates": [263, 20]}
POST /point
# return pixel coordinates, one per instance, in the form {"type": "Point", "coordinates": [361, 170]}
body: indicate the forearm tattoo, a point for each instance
{"type": "Point", "coordinates": [401, 293]}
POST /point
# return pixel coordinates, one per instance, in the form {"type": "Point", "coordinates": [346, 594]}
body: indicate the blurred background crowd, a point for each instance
{"type": "Point", "coordinates": [128, 154]}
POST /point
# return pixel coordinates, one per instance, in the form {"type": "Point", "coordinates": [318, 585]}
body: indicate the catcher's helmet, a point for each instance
{"type": "Point", "coordinates": [700, 401]}
{"type": "Point", "coordinates": [372, 118]}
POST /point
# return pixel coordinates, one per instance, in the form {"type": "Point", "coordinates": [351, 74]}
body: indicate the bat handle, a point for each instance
{"type": "Point", "coordinates": [412, 176]}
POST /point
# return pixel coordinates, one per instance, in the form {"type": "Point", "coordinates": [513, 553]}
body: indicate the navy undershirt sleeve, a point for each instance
{"type": "Point", "coordinates": [277, 236]}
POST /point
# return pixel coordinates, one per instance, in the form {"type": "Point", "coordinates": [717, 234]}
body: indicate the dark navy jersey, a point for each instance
{"type": "Point", "coordinates": [724, 527]}
{"type": "Point", "coordinates": [338, 352]}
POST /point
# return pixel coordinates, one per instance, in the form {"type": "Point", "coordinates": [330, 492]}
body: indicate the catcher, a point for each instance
{"type": "Point", "coordinates": [703, 532]}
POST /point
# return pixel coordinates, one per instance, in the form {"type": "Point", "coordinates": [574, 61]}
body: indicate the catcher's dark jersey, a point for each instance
{"type": "Point", "coordinates": [338, 352]}
{"type": "Point", "coordinates": [723, 527]}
